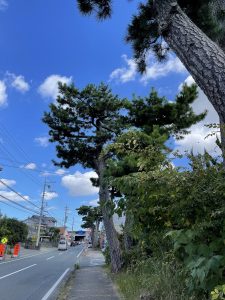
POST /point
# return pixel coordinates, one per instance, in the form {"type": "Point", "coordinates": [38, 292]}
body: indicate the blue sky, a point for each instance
{"type": "Point", "coordinates": [42, 42]}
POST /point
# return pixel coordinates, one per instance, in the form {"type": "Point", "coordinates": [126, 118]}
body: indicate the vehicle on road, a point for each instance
{"type": "Point", "coordinates": [62, 245]}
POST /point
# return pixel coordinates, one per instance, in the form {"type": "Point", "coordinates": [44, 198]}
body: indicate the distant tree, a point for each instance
{"type": "Point", "coordinates": [16, 231]}
{"type": "Point", "coordinates": [92, 216]}
{"type": "Point", "coordinates": [54, 233]}
{"type": "Point", "coordinates": [82, 123]}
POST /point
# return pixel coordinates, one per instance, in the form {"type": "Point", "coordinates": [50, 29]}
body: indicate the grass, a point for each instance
{"type": "Point", "coordinates": [153, 280]}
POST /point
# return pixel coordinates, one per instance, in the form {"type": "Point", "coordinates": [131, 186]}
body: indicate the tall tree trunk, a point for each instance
{"type": "Point", "coordinates": [95, 238]}
{"type": "Point", "coordinates": [216, 6]}
{"type": "Point", "coordinates": [128, 241]}
{"type": "Point", "coordinates": [203, 58]}
{"type": "Point", "coordinates": [111, 234]}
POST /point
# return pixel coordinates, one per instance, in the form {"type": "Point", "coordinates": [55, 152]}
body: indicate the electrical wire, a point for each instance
{"type": "Point", "coordinates": [18, 204]}
{"type": "Point", "coordinates": [21, 196]}
{"type": "Point", "coordinates": [13, 206]}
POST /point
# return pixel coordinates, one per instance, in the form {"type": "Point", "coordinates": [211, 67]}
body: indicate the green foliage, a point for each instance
{"type": "Point", "coordinates": [82, 122]}
{"type": "Point", "coordinates": [91, 216]}
{"type": "Point", "coordinates": [16, 231]}
{"type": "Point", "coordinates": [172, 118]}
{"type": "Point", "coordinates": [107, 255]}
{"type": "Point", "coordinates": [209, 17]}
{"type": "Point", "coordinates": [155, 279]}
{"type": "Point", "coordinates": [218, 293]}
{"type": "Point", "coordinates": [54, 234]}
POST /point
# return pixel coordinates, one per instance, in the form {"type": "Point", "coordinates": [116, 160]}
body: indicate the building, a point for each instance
{"type": "Point", "coordinates": [33, 222]}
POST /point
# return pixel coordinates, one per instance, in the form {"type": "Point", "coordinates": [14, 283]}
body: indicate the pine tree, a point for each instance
{"type": "Point", "coordinates": [166, 20]}
{"type": "Point", "coordinates": [82, 123]}
{"type": "Point", "coordinates": [92, 217]}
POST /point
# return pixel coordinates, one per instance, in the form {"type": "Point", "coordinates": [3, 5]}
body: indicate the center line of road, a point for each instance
{"type": "Point", "coordinates": [50, 257]}
{"type": "Point", "coordinates": [17, 271]}
{"type": "Point", "coordinates": [55, 285]}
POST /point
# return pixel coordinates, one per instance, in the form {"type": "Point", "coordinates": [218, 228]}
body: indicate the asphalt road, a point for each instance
{"type": "Point", "coordinates": [37, 276]}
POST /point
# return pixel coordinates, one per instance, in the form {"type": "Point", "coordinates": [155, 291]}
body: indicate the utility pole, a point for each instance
{"type": "Point", "coordinates": [41, 214]}
{"type": "Point", "coordinates": [65, 217]}
{"type": "Point", "coordinates": [72, 224]}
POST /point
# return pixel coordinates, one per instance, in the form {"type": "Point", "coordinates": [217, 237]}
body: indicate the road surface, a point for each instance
{"type": "Point", "coordinates": [37, 276]}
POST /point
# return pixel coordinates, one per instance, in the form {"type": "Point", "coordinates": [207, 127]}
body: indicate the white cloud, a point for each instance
{"type": "Point", "coordinates": [188, 81]}
{"type": "Point", "coordinates": [3, 94]}
{"type": "Point", "coordinates": [42, 141]}
{"type": "Point", "coordinates": [94, 202]}
{"type": "Point", "coordinates": [12, 196]}
{"type": "Point", "coordinates": [154, 69]}
{"type": "Point", "coordinates": [46, 174]}
{"type": "Point", "coordinates": [197, 140]}
{"type": "Point", "coordinates": [157, 69]}
{"type": "Point", "coordinates": [50, 195]}
{"type": "Point", "coordinates": [19, 83]}
{"type": "Point", "coordinates": [60, 172]}
{"type": "Point", "coordinates": [79, 184]}
{"type": "Point", "coordinates": [3, 4]}
{"type": "Point", "coordinates": [9, 182]}
{"type": "Point", "coordinates": [30, 166]}
{"type": "Point", "coordinates": [49, 88]}
{"type": "Point", "coordinates": [127, 73]}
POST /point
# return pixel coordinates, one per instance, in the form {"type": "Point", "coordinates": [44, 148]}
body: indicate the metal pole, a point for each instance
{"type": "Point", "coordinates": [41, 214]}
{"type": "Point", "coordinates": [66, 217]}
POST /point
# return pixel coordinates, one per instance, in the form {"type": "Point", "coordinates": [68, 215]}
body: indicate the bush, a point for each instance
{"type": "Point", "coordinates": [154, 279]}
{"type": "Point", "coordinates": [107, 255]}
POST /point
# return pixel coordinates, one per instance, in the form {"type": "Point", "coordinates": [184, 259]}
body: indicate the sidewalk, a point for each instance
{"type": "Point", "coordinates": [91, 281]}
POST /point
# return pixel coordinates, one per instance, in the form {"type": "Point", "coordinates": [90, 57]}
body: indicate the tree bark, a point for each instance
{"type": "Point", "coordinates": [203, 58]}
{"type": "Point", "coordinates": [95, 237]}
{"type": "Point", "coordinates": [111, 234]}
{"type": "Point", "coordinates": [128, 241]}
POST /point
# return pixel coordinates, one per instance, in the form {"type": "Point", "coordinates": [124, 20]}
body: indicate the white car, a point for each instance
{"type": "Point", "coordinates": [62, 245]}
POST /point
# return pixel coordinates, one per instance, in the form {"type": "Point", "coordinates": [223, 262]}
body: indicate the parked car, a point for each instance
{"type": "Point", "coordinates": [62, 245]}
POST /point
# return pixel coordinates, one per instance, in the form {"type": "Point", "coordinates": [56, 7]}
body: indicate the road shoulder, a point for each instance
{"type": "Point", "coordinates": [89, 281]}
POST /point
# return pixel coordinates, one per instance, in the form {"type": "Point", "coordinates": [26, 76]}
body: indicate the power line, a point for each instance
{"type": "Point", "coordinates": [21, 196]}
{"type": "Point", "coordinates": [18, 204]}
{"type": "Point", "coordinates": [13, 206]}
{"type": "Point", "coordinates": [13, 141]}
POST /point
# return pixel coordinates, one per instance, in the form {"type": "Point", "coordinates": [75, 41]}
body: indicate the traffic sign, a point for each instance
{"type": "Point", "coordinates": [4, 240]}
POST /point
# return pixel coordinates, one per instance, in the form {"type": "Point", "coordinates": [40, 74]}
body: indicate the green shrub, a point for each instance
{"type": "Point", "coordinates": [156, 279]}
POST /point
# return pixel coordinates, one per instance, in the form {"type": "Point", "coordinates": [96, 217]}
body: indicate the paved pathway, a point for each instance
{"type": "Point", "coordinates": [91, 280]}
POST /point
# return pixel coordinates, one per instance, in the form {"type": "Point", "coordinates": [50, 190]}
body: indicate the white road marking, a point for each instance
{"type": "Point", "coordinates": [13, 260]}
{"type": "Point", "coordinates": [55, 285]}
{"type": "Point", "coordinates": [50, 257]}
{"type": "Point", "coordinates": [80, 252]}
{"type": "Point", "coordinates": [60, 253]}
{"type": "Point", "coordinates": [17, 271]}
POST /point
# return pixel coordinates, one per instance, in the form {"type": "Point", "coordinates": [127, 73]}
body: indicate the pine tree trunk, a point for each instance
{"type": "Point", "coordinates": [95, 237]}
{"type": "Point", "coordinates": [216, 7]}
{"type": "Point", "coordinates": [128, 241]}
{"type": "Point", "coordinates": [111, 234]}
{"type": "Point", "coordinates": [203, 58]}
